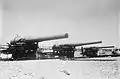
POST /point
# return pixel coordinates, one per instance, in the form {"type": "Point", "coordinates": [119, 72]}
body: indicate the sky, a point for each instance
{"type": "Point", "coordinates": [1, 25]}
{"type": "Point", "coordinates": [83, 20]}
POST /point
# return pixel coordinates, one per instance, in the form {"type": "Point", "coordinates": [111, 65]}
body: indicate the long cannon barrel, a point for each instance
{"type": "Point", "coordinates": [40, 39]}
{"type": "Point", "coordinates": [100, 47]}
{"type": "Point", "coordinates": [81, 44]}
{"type": "Point", "coordinates": [106, 47]}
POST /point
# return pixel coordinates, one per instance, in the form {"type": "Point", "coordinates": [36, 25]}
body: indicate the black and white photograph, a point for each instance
{"type": "Point", "coordinates": [59, 39]}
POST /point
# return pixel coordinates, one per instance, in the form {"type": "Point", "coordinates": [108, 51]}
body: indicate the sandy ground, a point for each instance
{"type": "Point", "coordinates": [59, 69]}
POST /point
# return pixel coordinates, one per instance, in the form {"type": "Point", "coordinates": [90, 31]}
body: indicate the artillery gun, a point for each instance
{"type": "Point", "coordinates": [68, 49]}
{"type": "Point", "coordinates": [25, 48]}
{"type": "Point", "coordinates": [93, 51]}
{"type": "Point", "coordinates": [116, 51]}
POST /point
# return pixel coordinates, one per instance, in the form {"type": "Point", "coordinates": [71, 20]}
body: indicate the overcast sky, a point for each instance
{"type": "Point", "coordinates": [84, 20]}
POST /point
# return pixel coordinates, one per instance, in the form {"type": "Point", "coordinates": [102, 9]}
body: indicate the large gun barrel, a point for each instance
{"type": "Point", "coordinates": [40, 39]}
{"type": "Point", "coordinates": [106, 47]}
{"type": "Point", "coordinates": [81, 44]}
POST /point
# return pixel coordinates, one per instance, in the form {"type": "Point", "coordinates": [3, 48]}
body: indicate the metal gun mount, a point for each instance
{"type": "Point", "coordinates": [68, 49]}
{"type": "Point", "coordinates": [27, 47]}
